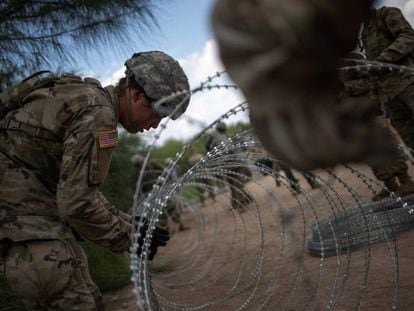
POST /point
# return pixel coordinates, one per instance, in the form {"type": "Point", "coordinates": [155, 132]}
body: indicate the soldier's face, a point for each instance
{"type": "Point", "coordinates": [135, 112]}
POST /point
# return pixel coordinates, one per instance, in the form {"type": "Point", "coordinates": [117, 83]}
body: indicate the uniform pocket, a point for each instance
{"type": "Point", "coordinates": [100, 160]}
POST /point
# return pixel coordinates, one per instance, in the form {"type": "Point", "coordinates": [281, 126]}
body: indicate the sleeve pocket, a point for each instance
{"type": "Point", "coordinates": [99, 162]}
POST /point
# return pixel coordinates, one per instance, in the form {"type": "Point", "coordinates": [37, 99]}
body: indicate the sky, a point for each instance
{"type": "Point", "coordinates": [184, 32]}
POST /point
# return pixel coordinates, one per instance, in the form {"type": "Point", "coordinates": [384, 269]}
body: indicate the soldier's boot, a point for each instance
{"type": "Point", "coordinates": [391, 185]}
{"type": "Point", "coordinates": [406, 185]}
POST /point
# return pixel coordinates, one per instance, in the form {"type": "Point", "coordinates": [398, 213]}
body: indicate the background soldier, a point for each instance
{"type": "Point", "coordinates": [208, 185]}
{"type": "Point", "coordinates": [56, 141]}
{"type": "Point", "coordinates": [388, 37]}
{"type": "Point", "coordinates": [393, 173]}
{"type": "Point", "coordinates": [152, 171]}
{"type": "Point", "coordinates": [239, 196]}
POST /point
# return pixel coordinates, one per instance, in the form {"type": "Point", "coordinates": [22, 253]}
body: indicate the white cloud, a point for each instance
{"type": "Point", "coordinates": [113, 80]}
{"type": "Point", "coordinates": [205, 106]}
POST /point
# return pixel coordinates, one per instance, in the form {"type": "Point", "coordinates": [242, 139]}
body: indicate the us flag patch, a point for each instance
{"type": "Point", "coordinates": [108, 139]}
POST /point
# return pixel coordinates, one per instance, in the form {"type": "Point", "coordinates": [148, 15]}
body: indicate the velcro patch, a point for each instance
{"type": "Point", "coordinates": [108, 139]}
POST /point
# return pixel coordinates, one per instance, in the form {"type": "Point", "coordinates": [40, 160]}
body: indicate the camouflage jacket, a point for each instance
{"type": "Point", "coordinates": [49, 187]}
{"type": "Point", "coordinates": [388, 37]}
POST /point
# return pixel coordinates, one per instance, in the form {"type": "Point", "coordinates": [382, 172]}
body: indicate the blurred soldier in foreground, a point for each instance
{"type": "Point", "coordinates": [239, 174]}
{"type": "Point", "coordinates": [56, 139]}
{"type": "Point", "coordinates": [361, 83]}
{"type": "Point", "coordinates": [152, 171]}
{"type": "Point", "coordinates": [283, 55]}
{"type": "Point", "coordinates": [388, 37]}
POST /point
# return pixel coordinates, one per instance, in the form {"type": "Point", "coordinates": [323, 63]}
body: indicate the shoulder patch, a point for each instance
{"type": "Point", "coordinates": [107, 139]}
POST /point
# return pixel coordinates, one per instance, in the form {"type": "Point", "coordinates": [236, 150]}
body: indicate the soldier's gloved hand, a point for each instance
{"type": "Point", "coordinates": [160, 237]}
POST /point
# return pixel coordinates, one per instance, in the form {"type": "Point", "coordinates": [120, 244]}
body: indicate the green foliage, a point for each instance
{"type": "Point", "coordinates": [33, 36]}
{"type": "Point", "coordinates": [239, 127]}
{"type": "Point", "coordinates": [171, 147]}
{"type": "Point", "coordinates": [110, 271]}
{"type": "Point", "coordinates": [8, 300]}
{"type": "Point", "coordinates": [168, 149]}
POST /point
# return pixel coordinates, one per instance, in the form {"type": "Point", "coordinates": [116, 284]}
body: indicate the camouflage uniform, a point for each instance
{"type": "Point", "coordinates": [54, 153]}
{"type": "Point", "coordinates": [283, 55]}
{"type": "Point", "coordinates": [388, 37]}
{"type": "Point", "coordinates": [239, 196]}
{"type": "Point", "coordinates": [361, 84]}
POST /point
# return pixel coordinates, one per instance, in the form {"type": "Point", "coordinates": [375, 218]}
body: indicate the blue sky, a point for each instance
{"type": "Point", "coordinates": [183, 29]}
{"type": "Point", "coordinates": [184, 32]}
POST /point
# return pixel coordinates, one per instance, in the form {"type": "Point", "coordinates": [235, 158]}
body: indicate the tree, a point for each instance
{"type": "Point", "coordinates": [48, 33]}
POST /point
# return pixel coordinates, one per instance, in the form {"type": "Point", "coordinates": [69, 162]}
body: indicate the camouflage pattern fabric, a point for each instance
{"type": "Point", "coordinates": [50, 187]}
{"type": "Point", "coordinates": [401, 113]}
{"type": "Point", "coordinates": [283, 55]}
{"type": "Point", "coordinates": [391, 169]}
{"type": "Point", "coordinates": [361, 84]}
{"type": "Point", "coordinates": [10, 99]}
{"type": "Point", "coordinates": [160, 76]}
{"type": "Point", "coordinates": [51, 275]}
{"type": "Point", "coordinates": [388, 37]}
{"type": "Point", "coordinates": [49, 192]}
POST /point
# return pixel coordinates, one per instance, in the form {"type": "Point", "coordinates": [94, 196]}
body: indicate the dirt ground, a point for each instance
{"type": "Point", "coordinates": [258, 259]}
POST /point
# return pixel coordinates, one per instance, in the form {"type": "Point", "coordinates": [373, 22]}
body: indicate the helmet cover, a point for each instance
{"type": "Point", "coordinates": [161, 76]}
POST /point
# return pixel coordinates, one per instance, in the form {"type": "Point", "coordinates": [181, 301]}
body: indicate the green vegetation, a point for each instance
{"type": "Point", "coordinates": [93, 25]}
{"type": "Point", "coordinates": [110, 271]}
{"type": "Point", "coordinates": [119, 186]}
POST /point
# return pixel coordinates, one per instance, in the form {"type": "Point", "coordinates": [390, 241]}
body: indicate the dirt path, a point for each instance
{"type": "Point", "coordinates": [258, 259]}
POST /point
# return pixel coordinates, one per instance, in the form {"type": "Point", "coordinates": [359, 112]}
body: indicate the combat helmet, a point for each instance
{"type": "Point", "coordinates": [160, 76]}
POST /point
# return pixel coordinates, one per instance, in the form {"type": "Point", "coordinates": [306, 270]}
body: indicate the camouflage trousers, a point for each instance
{"type": "Point", "coordinates": [50, 275]}
{"type": "Point", "coordinates": [401, 113]}
{"type": "Point", "coordinates": [393, 167]}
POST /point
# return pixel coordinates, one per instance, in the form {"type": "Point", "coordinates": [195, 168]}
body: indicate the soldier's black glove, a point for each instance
{"type": "Point", "coordinates": [160, 237]}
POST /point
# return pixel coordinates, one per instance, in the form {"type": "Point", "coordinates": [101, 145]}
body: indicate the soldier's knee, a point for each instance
{"type": "Point", "coordinates": [48, 274]}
